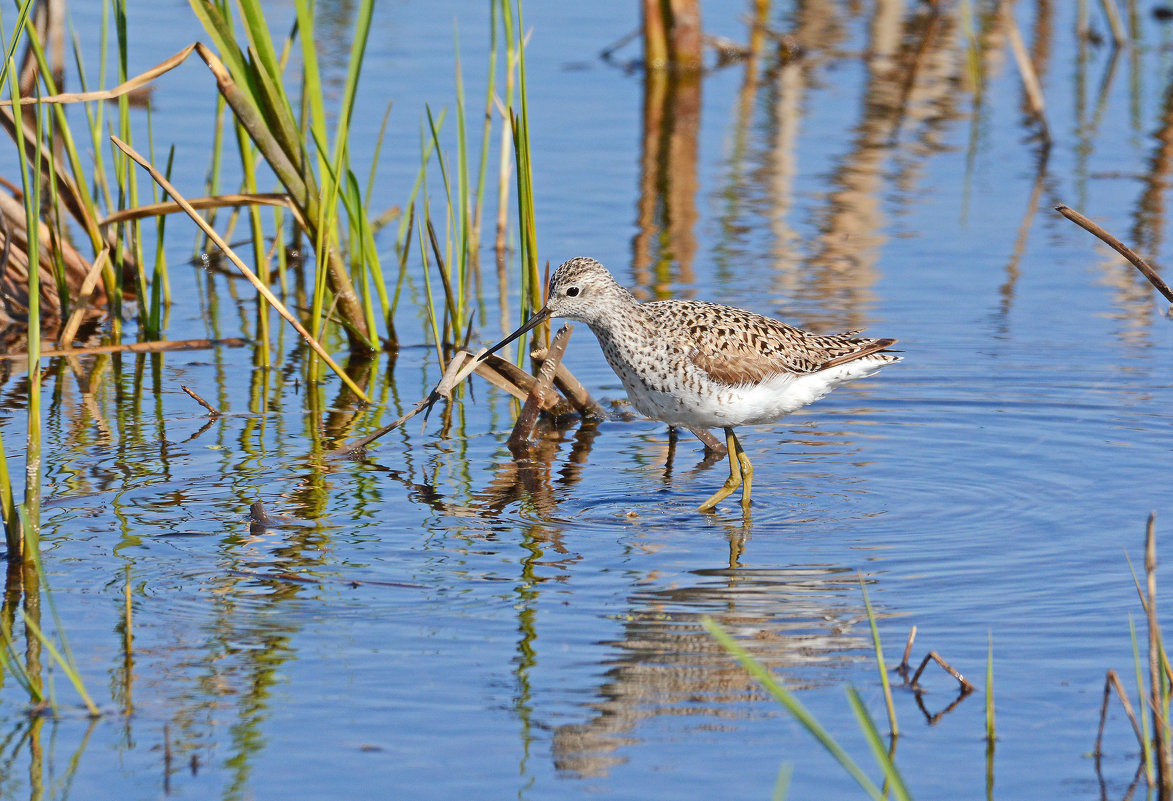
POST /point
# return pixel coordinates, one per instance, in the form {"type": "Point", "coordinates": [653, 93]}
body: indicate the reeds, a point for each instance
{"type": "Point", "coordinates": [892, 778]}
{"type": "Point", "coordinates": [1154, 734]}
{"type": "Point", "coordinates": [27, 670]}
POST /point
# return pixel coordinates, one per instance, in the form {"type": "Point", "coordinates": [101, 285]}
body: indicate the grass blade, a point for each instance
{"type": "Point", "coordinates": [788, 700]}
{"type": "Point", "coordinates": [892, 726]}
{"type": "Point", "coordinates": [868, 726]}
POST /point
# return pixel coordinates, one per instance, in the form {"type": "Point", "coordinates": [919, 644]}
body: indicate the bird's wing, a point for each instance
{"type": "Point", "coordinates": [734, 346]}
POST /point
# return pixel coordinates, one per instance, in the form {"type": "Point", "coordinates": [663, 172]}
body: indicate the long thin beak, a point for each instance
{"type": "Point", "coordinates": [540, 317]}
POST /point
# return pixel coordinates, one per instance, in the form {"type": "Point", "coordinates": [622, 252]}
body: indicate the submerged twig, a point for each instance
{"type": "Point", "coordinates": [966, 687]}
{"type": "Point", "coordinates": [212, 410]}
{"type": "Point", "coordinates": [1140, 264]}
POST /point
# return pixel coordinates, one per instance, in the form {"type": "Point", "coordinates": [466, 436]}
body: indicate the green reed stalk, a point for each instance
{"type": "Point", "coordinates": [454, 309]}
{"type": "Point", "coordinates": [154, 302]}
{"type": "Point", "coordinates": [1142, 693]}
{"type": "Point", "coordinates": [160, 279]}
{"type": "Point", "coordinates": [427, 145]}
{"type": "Point", "coordinates": [13, 665]}
{"type": "Point", "coordinates": [486, 135]}
{"type": "Point", "coordinates": [252, 85]}
{"type": "Point", "coordinates": [892, 778]}
{"type": "Point", "coordinates": [506, 122]}
{"type": "Point", "coordinates": [782, 783]}
{"type": "Point", "coordinates": [130, 189]}
{"type": "Point", "coordinates": [64, 657]}
{"type": "Point", "coordinates": [214, 169]}
{"type": "Point", "coordinates": [82, 203]}
{"type": "Point", "coordinates": [12, 527]}
{"type": "Point", "coordinates": [527, 227]}
{"type": "Point", "coordinates": [66, 664]}
{"type": "Point", "coordinates": [57, 232]}
{"type": "Point", "coordinates": [30, 177]}
{"type": "Point", "coordinates": [12, 532]}
{"type": "Point", "coordinates": [463, 197]}
{"type": "Point", "coordinates": [990, 731]}
{"type": "Point", "coordinates": [892, 725]}
{"type": "Point", "coordinates": [28, 676]}
{"type": "Point", "coordinates": [369, 233]}
{"type": "Point", "coordinates": [248, 163]}
{"type": "Point", "coordinates": [801, 714]}
{"type": "Point", "coordinates": [430, 308]}
{"type": "Point", "coordinates": [95, 113]}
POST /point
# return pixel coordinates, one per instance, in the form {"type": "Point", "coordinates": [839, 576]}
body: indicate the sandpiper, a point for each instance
{"type": "Point", "coordinates": [702, 365]}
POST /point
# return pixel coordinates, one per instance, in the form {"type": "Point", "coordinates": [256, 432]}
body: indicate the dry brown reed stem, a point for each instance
{"type": "Point", "coordinates": [212, 410]}
{"type": "Point", "coordinates": [505, 375]}
{"type": "Point", "coordinates": [575, 392]}
{"type": "Point", "coordinates": [88, 285]}
{"type": "Point", "coordinates": [267, 293]}
{"type": "Point", "coordinates": [137, 82]}
{"type": "Point", "coordinates": [449, 299]}
{"type": "Point", "coordinates": [1140, 264]}
{"type": "Point", "coordinates": [216, 202]}
{"type": "Point", "coordinates": [1030, 79]}
{"type": "Point", "coordinates": [137, 347]}
{"type": "Point", "coordinates": [966, 687]}
{"type": "Point", "coordinates": [655, 30]}
{"type": "Point", "coordinates": [1112, 682]}
{"type": "Point", "coordinates": [903, 668]}
{"type": "Point", "coordinates": [523, 430]}
{"type": "Point", "coordinates": [1156, 702]}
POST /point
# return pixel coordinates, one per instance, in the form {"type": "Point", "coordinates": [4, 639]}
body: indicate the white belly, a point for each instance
{"type": "Point", "coordinates": [698, 403]}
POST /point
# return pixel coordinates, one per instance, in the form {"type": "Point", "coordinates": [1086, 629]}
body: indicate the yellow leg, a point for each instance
{"type": "Point", "coordinates": [736, 471]}
{"type": "Point", "coordinates": [746, 474]}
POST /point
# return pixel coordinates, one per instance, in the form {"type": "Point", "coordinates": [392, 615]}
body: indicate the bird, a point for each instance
{"type": "Point", "coordinates": [697, 364]}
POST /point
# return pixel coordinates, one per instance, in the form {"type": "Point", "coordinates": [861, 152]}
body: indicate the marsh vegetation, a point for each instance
{"type": "Point", "coordinates": [229, 575]}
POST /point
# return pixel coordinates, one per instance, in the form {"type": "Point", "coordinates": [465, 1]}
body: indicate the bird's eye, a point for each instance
{"type": "Point", "coordinates": [572, 292]}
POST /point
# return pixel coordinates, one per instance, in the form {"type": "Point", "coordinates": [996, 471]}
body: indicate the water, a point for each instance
{"type": "Point", "coordinates": [438, 620]}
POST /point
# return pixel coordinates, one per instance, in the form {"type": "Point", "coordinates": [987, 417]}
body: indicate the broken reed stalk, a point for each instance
{"type": "Point", "coordinates": [523, 430]}
{"type": "Point", "coordinates": [1140, 264]}
{"type": "Point", "coordinates": [507, 376]}
{"type": "Point", "coordinates": [212, 410]}
{"type": "Point", "coordinates": [88, 285]}
{"type": "Point", "coordinates": [272, 299]}
{"type": "Point", "coordinates": [1112, 682]}
{"type": "Point", "coordinates": [903, 667]}
{"type": "Point", "coordinates": [1030, 79]}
